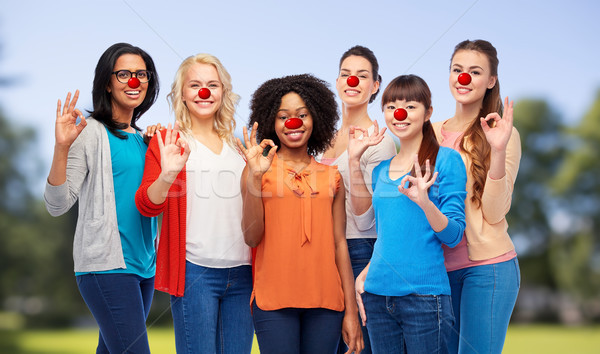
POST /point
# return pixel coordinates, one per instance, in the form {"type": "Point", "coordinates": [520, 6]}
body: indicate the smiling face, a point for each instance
{"type": "Point", "coordinates": [125, 99]}
{"type": "Point", "coordinates": [367, 86]}
{"type": "Point", "coordinates": [200, 76]}
{"type": "Point", "coordinates": [292, 106]}
{"type": "Point", "coordinates": [412, 126]}
{"type": "Point", "coordinates": [477, 65]}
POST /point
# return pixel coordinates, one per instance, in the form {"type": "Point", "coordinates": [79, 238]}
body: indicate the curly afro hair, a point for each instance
{"type": "Point", "coordinates": [317, 96]}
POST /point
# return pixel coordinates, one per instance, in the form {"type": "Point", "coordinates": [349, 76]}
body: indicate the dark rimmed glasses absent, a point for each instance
{"type": "Point", "coordinates": [124, 75]}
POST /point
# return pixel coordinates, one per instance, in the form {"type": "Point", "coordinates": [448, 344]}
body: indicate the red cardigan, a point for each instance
{"type": "Point", "coordinates": [170, 257]}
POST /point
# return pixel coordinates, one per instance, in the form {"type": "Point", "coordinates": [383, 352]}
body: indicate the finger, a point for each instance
{"type": "Point", "coordinates": [361, 309]}
{"type": "Point", "coordinates": [376, 130]}
{"type": "Point", "coordinates": [168, 135]}
{"type": "Point", "coordinates": [58, 109]}
{"type": "Point", "coordinates": [433, 178]}
{"type": "Point", "coordinates": [427, 170]}
{"type": "Point", "coordinates": [174, 134]}
{"type": "Point", "coordinates": [417, 167]}
{"type": "Point", "coordinates": [82, 124]}
{"type": "Point", "coordinates": [186, 150]}
{"type": "Point", "coordinates": [74, 102]}
{"type": "Point", "coordinates": [253, 135]}
{"type": "Point", "coordinates": [77, 114]}
{"type": "Point", "coordinates": [161, 145]}
{"type": "Point", "coordinates": [245, 135]}
{"type": "Point", "coordinates": [271, 153]}
{"type": "Point", "coordinates": [267, 142]}
{"type": "Point", "coordinates": [66, 106]}
{"type": "Point", "coordinates": [241, 146]}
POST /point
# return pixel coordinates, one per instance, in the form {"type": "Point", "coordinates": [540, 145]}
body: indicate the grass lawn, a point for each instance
{"type": "Point", "coordinates": [521, 339]}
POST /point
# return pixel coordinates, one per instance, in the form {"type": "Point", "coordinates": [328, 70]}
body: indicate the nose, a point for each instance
{"type": "Point", "coordinates": [133, 82]}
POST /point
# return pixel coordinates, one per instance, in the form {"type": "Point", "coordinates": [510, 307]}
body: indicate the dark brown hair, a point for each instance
{"type": "Point", "coordinates": [414, 88]}
{"type": "Point", "coordinates": [478, 149]}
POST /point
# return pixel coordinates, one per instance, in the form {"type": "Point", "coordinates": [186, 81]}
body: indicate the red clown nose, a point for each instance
{"type": "Point", "coordinates": [464, 79]}
{"type": "Point", "coordinates": [293, 123]}
{"type": "Point", "coordinates": [400, 114]}
{"type": "Point", "coordinates": [133, 82]}
{"type": "Point", "coordinates": [204, 93]}
{"type": "Point", "coordinates": [352, 81]}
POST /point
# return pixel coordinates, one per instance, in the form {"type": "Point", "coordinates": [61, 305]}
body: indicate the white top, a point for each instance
{"type": "Point", "coordinates": [214, 207]}
{"type": "Point", "coordinates": [385, 150]}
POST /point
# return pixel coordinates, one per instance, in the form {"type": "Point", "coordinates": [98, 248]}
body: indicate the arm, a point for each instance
{"type": "Point", "coordinates": [253, 213]}
{"type": "Point", "coordinates": [351, 331]}
{"type": "Point", "coordinates": [69, 166]}
{"type": "Point", "coordinates": [447, 221]}
{"type": "Point", "coordinates": [360, 195]}
{"type": "Point", "coordinates": [505, 156]}
{"type": "Point", "coordinates": [157, 182]}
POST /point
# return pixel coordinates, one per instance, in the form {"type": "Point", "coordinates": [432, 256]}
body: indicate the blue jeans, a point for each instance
{"type": "Point", "coordinates": [483, 298]}
{"type": "Point", "coordinates": [360, 250]}
{"type": "Point", "coordinates": [120, 304]}
{"type": "Point", "coordinates": [409, 324]}
{"type": "Point", "coordinates": [296, 330]}
{"type": "Point", "coordinates": [213, 315]}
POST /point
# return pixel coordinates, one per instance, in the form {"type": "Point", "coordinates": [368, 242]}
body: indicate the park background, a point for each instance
{"type": "Point", "coordinates": [548, 54]}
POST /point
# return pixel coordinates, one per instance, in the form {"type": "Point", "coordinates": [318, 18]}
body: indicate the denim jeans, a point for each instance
{"type": "Point", "coordinates": [120, 303]}
{"type": "Point", "coordinates": [213, 315]}
{"type": "Point", "coordinates": [409, 324]}
{"type": "Point", "coordinates": [360, 250]}
{"type": "Point", "coordinates": [297, 330]}
{"type": "Point", "coordinates": [483, 298]}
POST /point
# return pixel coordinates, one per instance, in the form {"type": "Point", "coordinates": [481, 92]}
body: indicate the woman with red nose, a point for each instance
{"type": "Point", "coordinates": [99, 163]}
{"type": "Point", "coordinates": [295, 217]}
{"type": "Point", "coordinates": [357, 85]}
{"type": "Point", "coordinates": [192, 176]}
{"type": "Point", "coordinates": [483, 269]}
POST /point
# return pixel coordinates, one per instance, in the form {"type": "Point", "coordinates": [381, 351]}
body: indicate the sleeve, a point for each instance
{"type": "Point", "coordinates": [59, 199]}
{"type": "Point", "coordinates": [497, 193]}
{"type": "Point", "coordinates": [452, 192]}
{"type": "Point", "coordinates": [151, 172]}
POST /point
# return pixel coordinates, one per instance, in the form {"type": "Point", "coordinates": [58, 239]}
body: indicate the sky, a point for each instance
{"type": "Point", "coordinates": [48, 48]}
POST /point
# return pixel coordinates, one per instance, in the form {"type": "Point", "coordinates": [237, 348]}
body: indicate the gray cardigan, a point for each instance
{"type": "Point", "coordinates": [97, 243]}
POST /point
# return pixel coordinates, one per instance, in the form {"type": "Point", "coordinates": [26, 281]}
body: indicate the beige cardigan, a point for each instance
{"type": "Point", "coordinates": [486, 230]}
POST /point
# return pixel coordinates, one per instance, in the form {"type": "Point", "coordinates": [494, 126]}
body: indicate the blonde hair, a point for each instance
{"type": "Point", "coordinates": [224, 122]}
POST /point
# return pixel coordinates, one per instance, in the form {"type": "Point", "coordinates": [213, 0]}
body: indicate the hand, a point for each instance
{"type": "Point", "coordinates": [253, 152]}
{"type": "Point", "coordinates": [172, 159]}
{"type": "Point", "coordinates": [66, 127]}
{"type": "Point", "coordinates": [352, 334]}
{"type": "Point", "coordinates": [357, 145]}
{"type": "Point", "coordinates": [359, 288]}
{"type": "Point", "coordinates": [150, 130]}
{"type": "Point", "coordinates": [417, 192]}
{"type": "Point", "coordinates": [498, 135]}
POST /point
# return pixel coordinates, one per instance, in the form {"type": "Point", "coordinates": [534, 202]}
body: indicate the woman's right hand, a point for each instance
{"type": "Point", "coordinates": [359, 287]}
{"type": "Point", "coordinates": [66, 127]}
{"type": "Point", "coordinates": [358, 144]}
{"type": "Point", "coordinates": [253, 152]}
{"type": "Point", "coordinates": [172, 159]}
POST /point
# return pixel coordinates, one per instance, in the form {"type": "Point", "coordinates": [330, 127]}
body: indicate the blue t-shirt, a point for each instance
{"type": "Point", "coordinates": [138, 232]}
{"type": "Point", "coordinates": [408, 256]}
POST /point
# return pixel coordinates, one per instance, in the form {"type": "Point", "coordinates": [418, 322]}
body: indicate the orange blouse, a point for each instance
{"type": "Point", "coordinates": [295, 261]}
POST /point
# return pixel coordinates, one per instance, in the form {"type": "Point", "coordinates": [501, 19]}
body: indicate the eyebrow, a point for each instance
{"type": "Point", "coordinates": [472, 67]}
{"type": "Point", "coordinates": [360, 71]}
{"type": "Point", "coordinates": [286, 110]}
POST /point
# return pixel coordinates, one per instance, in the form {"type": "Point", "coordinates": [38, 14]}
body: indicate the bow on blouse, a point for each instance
{"type": "Point", "coordinates": [304, 187]}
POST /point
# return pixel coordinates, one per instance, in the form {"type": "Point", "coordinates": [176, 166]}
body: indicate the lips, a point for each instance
{"type": "Point", "coordinates": [463, 90]}
{"type": "Point", "coordinates": [133, 93]}
{"type": "Point", "coordinates": [294, 135]}
{"type": "Point", "coordinates": [352, 92]}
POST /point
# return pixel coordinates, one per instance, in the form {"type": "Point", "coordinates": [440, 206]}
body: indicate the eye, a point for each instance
{"type": "Point", "coordinates": [142, 74]}
{"type": "Point", "coordinates": [195, 86]}
{"type": "Point", "coordinates": [283, 116]}
{"type": "Point", "coordinates": [302, 115]}
{"type": "Point", "coordinates": [213, 85]}
{"type": "Point", "coordinates": [410, 106]}
{"type": "Point", "coordinates": [456, 70]}
{"type": "Point", "coordinates": [123, 74]}
{"type": "Point", "coordinates": [363, 76]}
{"type": "Point", "coordinates": [390, 107]}
{"type": "Point", "coordinates": [475, 72]}
{"type": "Point", "coordinates": [344, 75]}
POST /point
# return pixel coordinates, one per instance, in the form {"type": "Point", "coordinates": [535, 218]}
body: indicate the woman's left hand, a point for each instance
{"type": "Point", "coordinates": [417, 192]}
{"type": "Point", "coordinates": [498, 135]}
{"type": "Point", "coordinates": [150, 131]}
{"type": "Point", "coordinates": [352, 333]}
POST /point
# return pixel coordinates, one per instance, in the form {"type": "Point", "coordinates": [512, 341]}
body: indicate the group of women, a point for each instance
{"type": "Point", "coordinates": [315, 235]}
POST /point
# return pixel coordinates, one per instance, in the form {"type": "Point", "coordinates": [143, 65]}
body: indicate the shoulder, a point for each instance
{"type": "Point", "coordinates": [448, 157]}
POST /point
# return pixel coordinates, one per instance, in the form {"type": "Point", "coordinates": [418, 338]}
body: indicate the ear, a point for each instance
{"type": "Point", "coordinates": [492, 82]}
{"type": "Point", "coordinates": [375, 87]}
{"type": "Point", "coordinates": [428, 113]}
